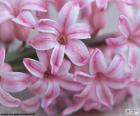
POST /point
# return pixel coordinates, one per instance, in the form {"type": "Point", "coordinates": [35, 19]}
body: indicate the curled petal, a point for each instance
{"type": "Point", "coordinates": [83, 78]}
{"type": "Point", "coordinates": [73, 108]}
{"type": "Point", "coordinates": [48, 26]}
{"type": "Point", "coordinates": [34, 67]}
{"type": "Point", "coordinates": [125, 26]}
{"type": "Point", "coordinates": [97, 62]}
{"type": "Point", "coordinates": [57, 58]}
{"type": "Point", "coordinates": [68, 14]}
{"type": "Point", "coordinates": [51, 94]}
{"type": "Point", "coordinates": [31, 105]}
{"type": "Point", "coordinates": [67, 82]}
{"type": "Point", "coordinates": [73, 51]}
{"type": "Point", "coordinates": [14, 81]}
{"type": "Point", "coordinates": [25, 19]}
{"type": "Point", "coordinates": [39, 87]}
{"type": "Point", "coordinates": [104, 95]}
{"type": "Point", "coordinates": [64, 68]}
{"type": "Point", "coordinates": [43, 42]}
{"type": "Point", "coordinates": [82, 31]}
{"type": "Point", "coordinates": [116, 67]}
{"type": "Point", "coordinates": [7, 100]}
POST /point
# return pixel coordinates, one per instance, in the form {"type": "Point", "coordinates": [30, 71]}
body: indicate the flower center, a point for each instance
{"type": "Point", "coordinates": [100, 76]}
{"type": "Point", "coordinates": [62, 40]}
{"type": "Point", "coordinates": [48, 75]}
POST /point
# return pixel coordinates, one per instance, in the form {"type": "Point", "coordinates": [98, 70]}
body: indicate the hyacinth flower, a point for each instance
{"type": "Point", "coordinates": [14, 15]}
{"type": "Point", "coordinates": [101, 78]}
{"type": "Point", "coordinates": [128, 40]}
{"type": "Point", "coordinates": [10, 82]}
{"type": "Point", "coordinates": [63, 37]}
{"type": "Point", "coordinates": [48, 84]}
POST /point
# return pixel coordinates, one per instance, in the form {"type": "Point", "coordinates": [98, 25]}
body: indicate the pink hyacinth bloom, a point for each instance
{"type": "Point", "coordinates": [48, 82]}
{"type": "Point", "coordinates": [11, 82]}
{"type": "Point", "coordinates": [15, 14]}
{"type": "Point", "coordinates": [129, 39]}
{"type": "Point", "coordinates": [102, 78]}
{"type": "Point", "coordinates": [63, 36]}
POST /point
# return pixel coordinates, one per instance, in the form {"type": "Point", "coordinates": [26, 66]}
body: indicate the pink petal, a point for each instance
{"type": "Point", "coordinates": [7, 100]}
{"type": "Point", "coordinates": [102, 4]}
{"type": "Point", "coordinates": [64, 68]}
{"type": "Point", "coordinates": [73, 51]}
{"type": "Point", "coordinates": [116, 42]}
{"type": "Point", "coordinates": [34, 67]}
{"type": "Point", "coordinates": [48, 26]}
{"type": "Point", "coordinates": [124, 25]}
{"type": "Point", "coordinates": [43, 42]}
{"type": "Point", "coordinates": [2, 56]}
{"type": "Point", "coordinates": [25, 19]}
{"type": "Point", "coordinates": [31, 105]}
{"type": "Point", "coordinates": [74, 108]}
{"type": "Point", "coordinates": [52, 93]}
{"type": "Point", "coordinates": [4, 16]}
{"type": "Point", "coordinates": [68, 14]}
{"type": "Point", "coordinates": [57, 58]}
{"type": "Point", "coordinates": [67, 82]}
{"type": "Point", "coordinates": [36, 5]}
{"type": "Point", "coordinates": [14, 81]}
{"type": "Point", "coordinates": [97, 62]}
{"type": "Point", "coordinates": [6, 4]}
{"type": "Point", "coordinates": [104, 95]}
{"type": "Point", "coordinates": [39, 87]}
{"type": "Point", "coordinates": [82, 31]}
{"type": "Point", "coordinates": [83, 78]}
{"type": "Point", "coordinates": [115, 69]}
{"type": "Point", "coordinates": [44, 57]}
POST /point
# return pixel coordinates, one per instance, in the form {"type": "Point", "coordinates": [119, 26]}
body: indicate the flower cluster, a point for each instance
{"type": "Point", "coordinates": [67, 71]}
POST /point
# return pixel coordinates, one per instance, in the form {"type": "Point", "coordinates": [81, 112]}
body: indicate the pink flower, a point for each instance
{"type": "Point", "coordinates": [15, 14]}
{"type": "Point", "coordinates": [100, 80]}
{"type": "Point", "coordinates": [11, 82]}
{"type": "Point", "coordinates": [48, 82]}
{"type": "Point", "coordinates": [63, 37]}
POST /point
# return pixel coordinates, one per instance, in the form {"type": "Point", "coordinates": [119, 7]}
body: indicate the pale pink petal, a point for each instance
{"type": "Point", "coordinates": [4, 16]}
{"type": "Point", "coordinates": [125, 25]}
{"type": "Point", "coordinates": [102, 4]}
{"type": "Point", "coordinates": [73, 51]}
{"type": "Point", "coordinates": [133, 57]}
{"type": "Point", "coordinates": [118, 84]}
{"type": "Point", "coordinates": [44, 57]}
{"type": "Point", "coordinates": [51, 94]}
{"type": "Point", "coordinates": [6, 67]}
{"type": "Point", "coordinates": [116, 67]}
{"type": "Point", "coordinates": [82, 31]}
{"type": "Point", "coordinates": [83, 78]}
{"type": "Point", "coordinates": [43, 42]}
{"type": "Point", "coordinates": [67, 82]}
{"type": "Point", "coordinates": [2, 56]}
{"type": "Point", "coordinates": [48, 26]}
{"type": "Point", "coordinates": [6, 4]}
{"type": "Point", "coordinates": [68, 14]}
{"type": "Point", "coordinates": [116, 42]}
{"type": "Point", "coordinates": [34, 67]}
{"type": "Point", "coordinates": [74, 108]}
{"type": "Point", "coordinates": [31, 104]}
{"type": "Point", "coordinates": [15, 81]}
{"type": "Point", "coordinates": [25, 19]}
{"type": "Point", "coordinates": [57, 58]}
{"type": "Point", "coordinates": [64, 68]}
{"type": "Point", "coordinates": [39, 87]}
{"type": "Point", "coordinates": [36, 5]}
{"type": "Point", "coordinates": [104, 95]}
{"type": "Point", "coordinates": [7, 100]}
{"type": "Point", "coordinates": [97, 62]}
